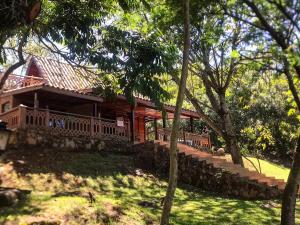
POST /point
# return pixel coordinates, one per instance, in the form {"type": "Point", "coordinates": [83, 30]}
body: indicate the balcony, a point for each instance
{"type": "Point", "coordinates": [66, 124]}
{"type": "Point", "coordinates": [17, 81]}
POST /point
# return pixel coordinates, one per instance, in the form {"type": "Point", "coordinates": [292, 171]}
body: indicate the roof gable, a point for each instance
{"type": "Point", "coordinates": [61, 75]}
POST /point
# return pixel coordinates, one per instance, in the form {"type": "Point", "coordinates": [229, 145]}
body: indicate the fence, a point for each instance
{"type": "Point", "coordinates": [62, 123]}
{"type": "Point", "coordinates": [196, 140]}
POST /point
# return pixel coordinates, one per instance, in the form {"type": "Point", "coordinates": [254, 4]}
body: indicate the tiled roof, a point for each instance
{"type": "Point", "coordinates": [63, 75]}
{"type": "Point", "coordinates": [67, 77]}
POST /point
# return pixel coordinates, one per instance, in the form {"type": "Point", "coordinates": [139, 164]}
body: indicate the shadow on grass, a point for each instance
{"type": "Point", "coordinates": [23, 207]}
{"type": "Point", "coordinates": [111, 177]}
{"type": "Point", "coordinates": [194, 207]}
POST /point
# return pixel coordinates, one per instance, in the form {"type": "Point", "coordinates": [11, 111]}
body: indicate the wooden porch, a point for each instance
{"type": "Point", "coordinates": [67, 124]}
{"type": "Point", "coordinates": [82, 113]}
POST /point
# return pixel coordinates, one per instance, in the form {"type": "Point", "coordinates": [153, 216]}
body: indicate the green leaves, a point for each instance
{"type": "Point", "coordinates": [235, 54]}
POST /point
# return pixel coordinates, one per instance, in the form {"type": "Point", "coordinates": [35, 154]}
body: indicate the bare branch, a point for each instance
{"type": "Point", "coordinates": [16, 65]}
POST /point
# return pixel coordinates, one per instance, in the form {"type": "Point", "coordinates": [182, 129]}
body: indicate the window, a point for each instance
{"type": "Point", "coordinates": [5, 107]}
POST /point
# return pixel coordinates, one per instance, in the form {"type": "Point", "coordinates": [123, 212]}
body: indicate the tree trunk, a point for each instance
{"type": "Point", "coordinates": [231, 144]}
{"type": "Point", "coordinates": [228, 131]}
{"type": "Point", "coordinates": [175, 127]}
{"type": "Point", "coordinates": [291, 190]}
{"type": "Point", "coordinates": [292, 186]}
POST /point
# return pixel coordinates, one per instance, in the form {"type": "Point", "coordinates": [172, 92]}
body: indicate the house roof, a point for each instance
{"type": "Point", "coordinates": [65, 78]}
{"type": "Point", "coordinates": [63, 75]}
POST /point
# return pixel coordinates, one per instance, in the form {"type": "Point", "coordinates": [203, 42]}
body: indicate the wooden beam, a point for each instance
{"type": "Point", "coordinates": [164, 120]}
{"type": "Point", "coordinates": [155, 129]}
{"type": "Point", "coordinates": [36, 100]}
{"type": "Point", "coordinates": [192, 124]}
{"type": "Point", "coordinates": [53, 90]}
{"type": "Point", "coordinates": [144, 120]}
{"type": "Point", "coordinates": [132, 125]}
{"type": "Point", "coordinates": [95, 110]}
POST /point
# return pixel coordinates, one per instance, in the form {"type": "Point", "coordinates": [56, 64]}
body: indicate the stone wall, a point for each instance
{"type": "Point", "coordinates": [22, 138]}
{"type": "Point", "coordinates": [204, 175]}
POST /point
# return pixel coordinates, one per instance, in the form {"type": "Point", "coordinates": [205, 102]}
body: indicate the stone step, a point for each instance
{"type": "Point", "coordinates": [234, 169]}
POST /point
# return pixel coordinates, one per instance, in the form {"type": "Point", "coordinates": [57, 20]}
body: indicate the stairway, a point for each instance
{"type": "Point", "coordinates": [211, 173]}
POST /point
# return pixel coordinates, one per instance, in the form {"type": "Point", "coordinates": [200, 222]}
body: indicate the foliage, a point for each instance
{"type": "Point", "coordinates": [265, 126]}
{"type": "Point", "coordinates": [133, 62]}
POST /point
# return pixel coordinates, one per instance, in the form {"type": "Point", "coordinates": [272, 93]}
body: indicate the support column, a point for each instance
{"type": "Point", "coordinates": [155, 129]}
{"type": "Point", "coordinates": [22, 116]}
{"type": "Point", "coordinates": [35, 107]}
{"type": "Point", "coordinates": [145, 135]}
{"type": "Point", "coordinates": [95, 110]}
{"type": "Point", "coordinates": [192, 124]}
{"type": "Point", "coordinates": [36, 100]}
{"type": "Point", "coordinates": [164, 120]}
{"type": "Point", "coordinates": [132, 125]}
{"type": "Point", "coordinates": [47, 119]}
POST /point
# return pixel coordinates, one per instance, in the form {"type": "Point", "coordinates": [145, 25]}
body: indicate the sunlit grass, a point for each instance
{"type": "Point", "coordinates": [60, 186]}
{"type": "Point", "coordinates": [267, 168]}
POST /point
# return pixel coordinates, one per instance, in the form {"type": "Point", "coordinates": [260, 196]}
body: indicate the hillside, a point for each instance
{"type": "Point", "coordinates": [104, 188]}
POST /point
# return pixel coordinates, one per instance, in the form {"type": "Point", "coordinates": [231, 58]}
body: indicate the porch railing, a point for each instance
{"type": "Point", "coordinates": [199, 141]}
{"type": "Point", "coordinates": [67, 124]}
{"type": "Point", "coordinates": [18, 81]}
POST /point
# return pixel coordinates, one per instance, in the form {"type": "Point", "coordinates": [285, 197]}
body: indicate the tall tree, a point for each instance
{"type": "Point", "coordinates": [278, 21]}
{"type": "Point", "coordinates": [173, 171]}
{"type": "Point", "coordinates": [130, 61]}
{"type": "Point", "coordinates": [214, 61]}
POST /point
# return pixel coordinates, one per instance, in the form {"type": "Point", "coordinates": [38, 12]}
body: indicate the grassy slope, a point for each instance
{"type": "Point", "coordinates": [268, 168]}
{"type": "Point", "coordinates": [119, 193]}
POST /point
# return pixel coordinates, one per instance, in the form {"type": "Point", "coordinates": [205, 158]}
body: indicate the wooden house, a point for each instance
{"type": "Point", "coordinates": [58, 97]}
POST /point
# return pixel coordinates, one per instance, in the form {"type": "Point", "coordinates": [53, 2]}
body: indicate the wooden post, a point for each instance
{"type": "Point", "coordinates": [192, 124]}
{"type": "Point", "coordinates": [36, 100]}
{"type": "Point", "coordinates": [183, 133]}
{"type": "Point", "coordinates": [92, 127]}
{"type": "Point", "coordinates": [95, 111]}
{"type": "Point", "coordinates": [35, 107]}
{"type": "Point", "coordinates": [145, 137]}
{"type": "Point", "coordinates": [22, 116]}
{"type": "Point", "coordinates": [128, 130]}
{"type": "Point", "coordinates": [47, 117]}
{"type": "Point", "coordinates": [155, 129]}
{"type": "Point", "coordinates": [164, 127]}
{"type": "Point", "coordinates": [132, 125]}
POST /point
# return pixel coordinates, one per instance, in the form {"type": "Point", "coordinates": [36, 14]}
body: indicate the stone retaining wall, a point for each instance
{"type": "Point", "coordinates": [204, 175]}
{"type": "Point", "coordinates": [22, 138]}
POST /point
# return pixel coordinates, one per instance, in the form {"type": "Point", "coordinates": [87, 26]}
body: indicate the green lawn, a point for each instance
{"type": "Point", "coordinates": [267, 168]}
{"type": "Point", "coordinates": [60, 183]}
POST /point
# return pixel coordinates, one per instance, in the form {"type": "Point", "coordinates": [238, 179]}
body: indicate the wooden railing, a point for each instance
{"type": "Point", "coordinates": [199, 141]}
{"type": "Point", "coordinates": [67, 124]}
{"type": "Point", "coordinates": [11, 117]}
{"type": "Point", "coordinates": [17, 81]}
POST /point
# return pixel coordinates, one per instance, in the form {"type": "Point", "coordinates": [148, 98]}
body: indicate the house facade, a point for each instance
{"type": "Point", "coordinates": [60, 99]}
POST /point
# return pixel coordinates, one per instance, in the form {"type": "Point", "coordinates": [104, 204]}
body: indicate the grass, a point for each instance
{"type": "Point", "coordinates": [267, 168]}
{"type": "Point", "coordinates": [61, 183]}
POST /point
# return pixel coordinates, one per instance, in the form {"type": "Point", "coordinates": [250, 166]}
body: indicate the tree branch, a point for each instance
{"type": "Point", "coordinates": [21, 61]}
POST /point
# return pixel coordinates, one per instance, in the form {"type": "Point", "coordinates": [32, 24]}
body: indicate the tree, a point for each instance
{"type": "Point", "coordinates": [132, 62]}
{"type": "Point", "coordinates": [16, 16]}
{"type": "Point", "coordinates": [216, 62]}
{"type": "Point", "coordinates": [281, 27]}
{"type": "Point", "coordinates": [175, 126]}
